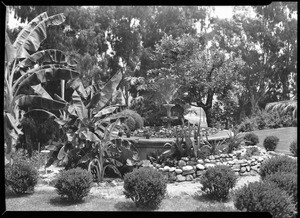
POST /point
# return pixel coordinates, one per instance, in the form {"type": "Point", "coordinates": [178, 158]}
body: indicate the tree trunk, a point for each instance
{"type": "Point", "coordinates": [208, 112]}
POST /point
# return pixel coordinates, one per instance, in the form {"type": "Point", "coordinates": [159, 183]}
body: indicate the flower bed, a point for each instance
{"type": "Point", "coordinates": [172, 132]}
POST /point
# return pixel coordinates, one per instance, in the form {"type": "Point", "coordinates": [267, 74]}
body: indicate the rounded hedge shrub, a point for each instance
{"type": "Point", "coordinates": [285, 181]}
{"type": "Point", "coordinates": [75, 183]}
{"type": "Point", "coordinates": [270, 143]}
{"type": "Point", "coordinates": [251, 138]}
{"type": "Point", "coordinates": [21, 177]}
{"type": "Point", "coordinates": [217, 181]}
{"type": "Point", "coordinates": [145, 186]}
{"type": "Point", "coordinates": [293, 148]}
{"type": "Point", "coordinates": [138, 120]}
{"type": "Point", "coordinates": [278, 164]}
{"type": "Point", "coordinates": [264, 197]}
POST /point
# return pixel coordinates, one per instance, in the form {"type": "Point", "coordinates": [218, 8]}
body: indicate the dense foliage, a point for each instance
{"type": "Point", "coordinates": [264, 197]}
{"type": "Point", "coordinates": [21, 177]}
{"type": "Point", "coordinates": [217, 182]}
{"type": "Point", "coordinates": [251, 138]}
{"type": "Point", "coordinates": [75, 184]}
{"type": "Point", "coordinates": [278, 164]}
{"type": "Point", "coordinates": [270, 143]}
{"type": "Point", "coordinates": [145, 186]}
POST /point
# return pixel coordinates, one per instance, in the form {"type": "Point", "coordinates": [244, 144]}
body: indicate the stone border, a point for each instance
{"type": "Point", "coordinates": [188, 169]}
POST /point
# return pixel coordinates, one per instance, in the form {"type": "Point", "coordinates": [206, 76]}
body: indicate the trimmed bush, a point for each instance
{"type": "Point", "coordinates": [264, 197]}
{"type": "Point", "coordinates": [293, 148]}
{"type": "Point", "coordinates": [217, 181]}
{"type": "Point", "coordinates": [130, 122]}
{"type": "Point", "coordinates": [21, 177]}
{"type": "Point", "coordinates": [285, 181]}
{"type": "Point", "coordinates": [138, 120]}
{"type": "Point", "coordinates": [145, 186]}
{"type": "Point", "coordinates": [270, 143]}
{"type": "Point", "coordinates": [251, 138]}
{"type": "Point", "coordinates": [278, 164]}
{"type": "Point", "coordinates": [74, 183]}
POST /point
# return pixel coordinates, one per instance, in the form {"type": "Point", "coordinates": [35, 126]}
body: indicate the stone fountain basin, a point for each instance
{"type": "Point", "coordinates": [145, 146]}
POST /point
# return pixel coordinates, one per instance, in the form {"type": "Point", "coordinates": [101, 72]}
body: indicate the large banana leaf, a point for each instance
{"type": "Point", "coordinates": [30, 38]}
{"type": "Point", "coordinates": [39, 102]}
{"type": "Point", "coordinates": [49, 56]}
{"type": "Point", "coordinates": [49, 73]}
{"type": "Point", "coordinates": [80, 109]}
{"type": "Point", "coordinates": [38, 89]}
{"type": "Point", "coordinates": [105, 111]}
{"type": "Point", "coordinates": [10, 50]}
{"type": "Point", "coordinates": [40, 113]}
{"type": "Point", "coordinates": [103, 97]}
{"type": "Point", "coordinates": [77, 85]}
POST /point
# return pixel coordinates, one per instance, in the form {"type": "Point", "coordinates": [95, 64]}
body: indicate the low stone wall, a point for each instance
{"type": "Point", "coordinates": [188, 169]}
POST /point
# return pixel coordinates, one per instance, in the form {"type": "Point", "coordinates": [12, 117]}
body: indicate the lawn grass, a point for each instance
{"type": "Point", "coordinates": [286, 136]}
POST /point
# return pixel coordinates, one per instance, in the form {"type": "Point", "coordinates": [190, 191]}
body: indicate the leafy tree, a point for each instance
{"type": "Point", "coordinates": [199, 70]}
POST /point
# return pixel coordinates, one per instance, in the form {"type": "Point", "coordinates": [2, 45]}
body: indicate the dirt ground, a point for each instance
{"type": "Point", "coordinates": [108, 196]}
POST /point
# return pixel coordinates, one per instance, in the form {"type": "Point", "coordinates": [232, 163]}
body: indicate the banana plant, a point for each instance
{"type": "Point", "coordinates": [92, 128]}
{"type": "Point", "coordinates": [26, 69]}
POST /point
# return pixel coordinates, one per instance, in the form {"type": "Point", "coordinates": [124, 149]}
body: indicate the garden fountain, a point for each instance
{"type": "Point", "coordinates": [169, 118]}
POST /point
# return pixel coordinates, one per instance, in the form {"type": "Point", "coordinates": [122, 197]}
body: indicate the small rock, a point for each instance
{"type": "Point", "coordinates": [244, 164]}
{"type": "Point", "coordinates": [248, 168]}
{"type": "Point", "coordinates": [217, 156]}
{"type": "Point", "coordinates": [231, 155]}
{"type": "Point", "coordinates": [180, 178]}
{"type": "Point", "coordinates": [185, 158]}
{"type": "Point", "coordinates": [236, 173]}
{"type": "Point", "coordinates": [209, 165]}
{"type": "Point", "coordinates": [193, 159]}
{"type": "Point", "coordinates": [199, 173]}
{"type": "Point", "coordinates": [200, 161]}
{"type": "Point", "coordinates": [236, 166]}
{"type": "Point", "coordinates": [166, 169]}
{"type": "Point", "coordinates": [207, 160]}
{"type": "Point", "coordinates": [245, 174]}
{"type": "Point", "coordinates": [200, 167]}
{"type": "Point", "coordinates": [222, 155]}
{"type": "Point", "coordinates": [113, 183]}
{"type": "Point", "coordinates": [178, 171]}
{"type": "Point", "coordinates": [191, 163]}
{"type": "Point", "coordinates": [181, 163]}
{"type": "Point", "coordinates": [253, 173]}
{"type": "Point", "coordinates": [187, 168]}
{"type": "Point", "coordinates": [184, 173]}
{"type": "Point", "coordinates": [230, 162]}
{"type": "Point", "coordinates": [157, 166]}
{"type": "Point", "coordinates": [211, 157]}
{"type": "Point", "coordinates": [243, 169]}
{"type": "Point", "coordinates": [189, 177]}
{"type": "Point", "coordinates": [161, 169]}
{"type": "Point", "coordinates": [172, 169]}
{"type": "Point", "coordinates": [260, 159]}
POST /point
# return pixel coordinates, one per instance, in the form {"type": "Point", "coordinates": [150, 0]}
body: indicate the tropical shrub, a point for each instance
{"type": "Point", "coordinates": [251, 138]}
{"type": "Point", "coordinates": [247, 125]}
{"type": "Point", "coordinates": [37, 159]}
{"type": "Point", "coordinates": [217, 181]}
{"type": "Point", "coordinates": [74, 183]}
{"type": "Point", "coordinates": [285, 181]}
{"type": "Point", "coordinates": [270, 143]}
{"type": "Point", "coordinates": [145, 186]}
{"type": "Point", "coordinates": [264, 197]}
{"type": "Point", "coordinates": [251, 150]}
{"type": "Point", "coordinates": [293, 147]}
{"type": "Point", "coordinates": [278, 164]}
{"type": "Point", "coordinates": [21, 177]}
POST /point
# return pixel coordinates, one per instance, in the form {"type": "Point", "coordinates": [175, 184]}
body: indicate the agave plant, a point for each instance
{"type": "Point", "coordinates": [26, 69]}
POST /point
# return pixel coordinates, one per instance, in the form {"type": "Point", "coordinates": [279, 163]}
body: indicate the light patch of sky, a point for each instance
{"type": "Point", "coordinates": [224, 11]}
